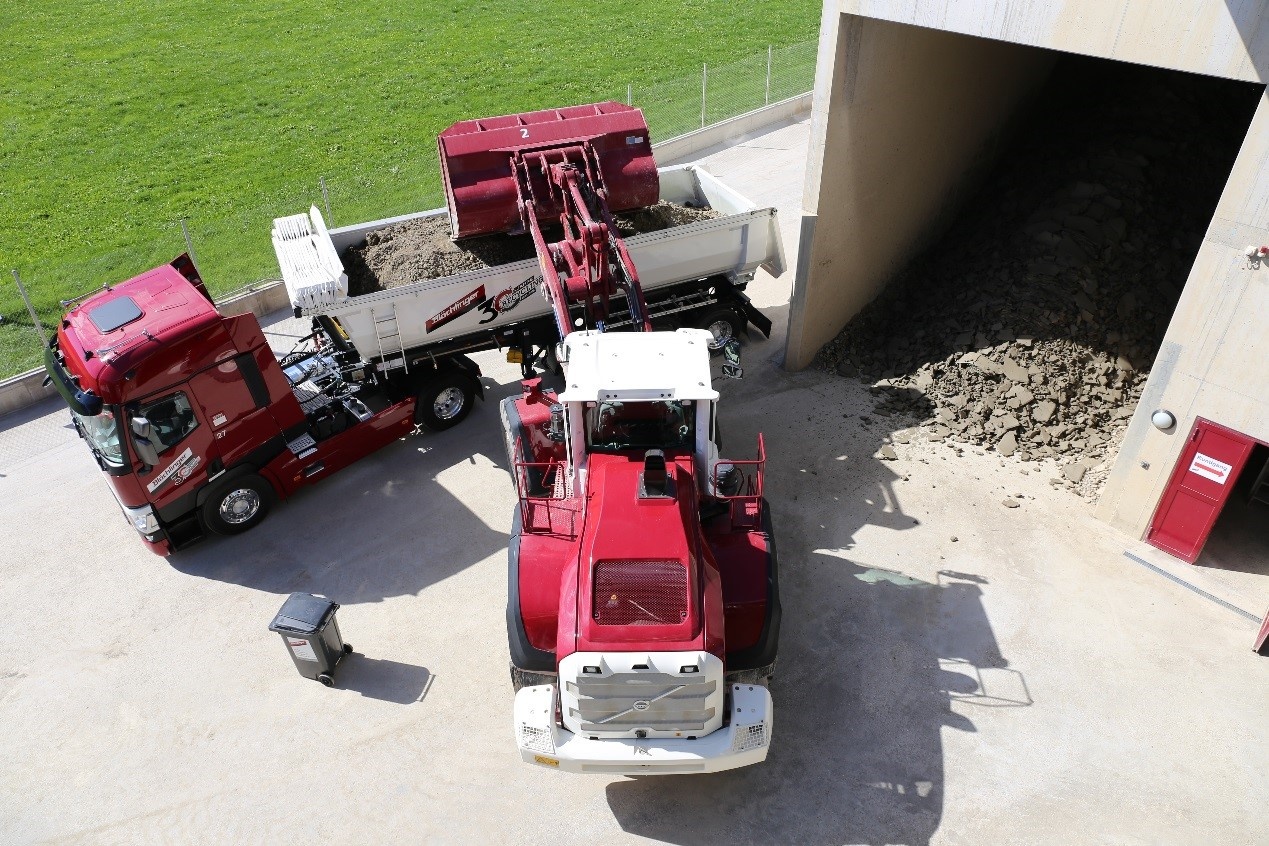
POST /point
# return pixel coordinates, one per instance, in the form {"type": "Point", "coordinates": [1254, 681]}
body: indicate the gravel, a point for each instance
{"type": "Point", "coordinates": [409, 252]}
{"type": "Point", "coordinates": [1032, 325]}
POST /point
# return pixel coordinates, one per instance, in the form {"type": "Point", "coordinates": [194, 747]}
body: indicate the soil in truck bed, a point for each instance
{"type": "Point", "coordinates": [422, 249]}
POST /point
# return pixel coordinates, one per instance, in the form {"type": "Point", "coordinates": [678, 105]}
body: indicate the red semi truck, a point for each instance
{"type": "Point", "coordinates": [200, 428]}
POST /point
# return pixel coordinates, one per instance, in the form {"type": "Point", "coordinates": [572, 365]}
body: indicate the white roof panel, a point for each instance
{"type": "Point", "coordinates": [638, 366]}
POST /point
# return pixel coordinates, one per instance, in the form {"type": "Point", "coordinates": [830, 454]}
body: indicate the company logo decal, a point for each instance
{"type": "Point", "coordinates": [516, 294]}
{"type": "Point", "coordinates": [468, 302]}
{"type": "Point", "coordinates": [172, 469]}
{"type": "Point", "coordinates": [642, 705]}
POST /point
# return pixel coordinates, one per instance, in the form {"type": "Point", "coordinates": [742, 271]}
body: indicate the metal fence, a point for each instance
{"type": "Point", "coordinates": [236, 246]}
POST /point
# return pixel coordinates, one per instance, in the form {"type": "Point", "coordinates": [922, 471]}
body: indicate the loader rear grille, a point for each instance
{"type": "Point", "coordinates": [640, 593]}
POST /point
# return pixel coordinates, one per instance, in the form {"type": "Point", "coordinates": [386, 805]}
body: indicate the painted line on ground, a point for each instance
{"type": "Point", "coordinates": [1183, 583]}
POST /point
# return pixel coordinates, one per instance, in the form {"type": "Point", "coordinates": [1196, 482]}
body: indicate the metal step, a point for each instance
{"type": "Point", "coordinates": [303, 446]}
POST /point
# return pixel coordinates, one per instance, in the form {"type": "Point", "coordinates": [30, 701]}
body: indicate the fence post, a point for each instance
{"type": "Point", "coordinates": [629, 94]}
{"type": "Point", "coordinates": [766, 99]}
{"type": "Point", "coordinates": [704, 77]}
{"type": "Point", "coordinates": [35, 318]}
{"type": "Point", "coordinates": [189, 242]}
{"type": "Point", "coordinates": [321, 180]}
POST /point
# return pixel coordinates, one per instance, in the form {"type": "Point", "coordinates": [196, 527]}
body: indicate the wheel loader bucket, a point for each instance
{"type": "Point", "coordinates": [477, 162]}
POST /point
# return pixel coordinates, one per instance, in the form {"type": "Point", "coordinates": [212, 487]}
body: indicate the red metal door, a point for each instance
{"type": "Point", "coordinates": [1200, 484]}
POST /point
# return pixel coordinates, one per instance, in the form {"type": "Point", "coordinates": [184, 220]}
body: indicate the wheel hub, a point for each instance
{"type": "Point", "coordinates": [239, 506]}
{"type": "Point", "coordinates": [448, 403]}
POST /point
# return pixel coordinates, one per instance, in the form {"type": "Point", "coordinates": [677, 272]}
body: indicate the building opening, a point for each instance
{"type": "Point", "coordinates": [1031, 323]}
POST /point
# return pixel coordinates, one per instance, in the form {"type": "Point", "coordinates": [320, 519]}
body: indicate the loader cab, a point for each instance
{"type": "Point", "coordinates": [630, 392]}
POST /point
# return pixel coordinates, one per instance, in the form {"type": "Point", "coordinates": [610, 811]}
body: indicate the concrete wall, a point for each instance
{"type": "Point", "coordinates": [1215, 37]}
{"type": "Point", "coordinates": [904, 119]}
{"type": "Point", "coordinates": [1214, 361]}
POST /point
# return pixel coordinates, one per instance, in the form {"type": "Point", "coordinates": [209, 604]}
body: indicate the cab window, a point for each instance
{"type": "Point", "coordinates": [615, 426]}
{"type": "Point", "coordinates": [171, 419]}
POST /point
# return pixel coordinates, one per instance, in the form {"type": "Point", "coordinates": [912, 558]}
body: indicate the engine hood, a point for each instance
{"type": "Point", "coordinates": [641, 579]}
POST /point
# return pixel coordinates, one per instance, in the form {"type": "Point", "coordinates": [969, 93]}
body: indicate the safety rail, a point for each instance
{"type": "Point", "coordinates": [746, 504]}
{"type": "Point", "coordinates": [545, 504]}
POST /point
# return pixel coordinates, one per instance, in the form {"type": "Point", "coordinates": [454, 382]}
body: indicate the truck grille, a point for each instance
{"type": "Point", "coordinates": [640, 593]}
{"type": "Point", "coordinates": [657, 701]}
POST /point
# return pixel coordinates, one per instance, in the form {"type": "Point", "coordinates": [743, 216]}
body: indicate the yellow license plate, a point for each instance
{"type": "Point", "coordinates": [515, 356]}
{"type": "Point", "coordinates": [550, 762]}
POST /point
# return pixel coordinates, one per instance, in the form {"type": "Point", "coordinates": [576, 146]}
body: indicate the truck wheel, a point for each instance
{"type": "Point", "coordinates": [724, 324]}
{"type": "Point", "coordinates": [237, 505]}
{"type": "Point", "coordinates": [444, 401]}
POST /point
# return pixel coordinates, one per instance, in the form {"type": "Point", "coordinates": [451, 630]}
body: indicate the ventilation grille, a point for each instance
{"type": "Point", "coordinates": [641, 699]}
{"type": "Point", "coordinates": [640, 593]}
{"type": "Point", "coordinates": [749, 737]}
{"type": "Point", "coordinates": [536, 738]}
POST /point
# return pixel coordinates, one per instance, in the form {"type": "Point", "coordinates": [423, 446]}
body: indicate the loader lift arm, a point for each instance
{"type": "Point", "coordinates": [590, 263]}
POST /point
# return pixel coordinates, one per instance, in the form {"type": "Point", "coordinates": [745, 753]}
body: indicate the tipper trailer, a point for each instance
{"type": "Point", "coordinates": [199, 427]}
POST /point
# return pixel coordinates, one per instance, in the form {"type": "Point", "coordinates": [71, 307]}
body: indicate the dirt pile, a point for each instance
{"type": "Point", "coordinates": [419, 249]}
{"type": "Point", "coordinates": [1031, 327]}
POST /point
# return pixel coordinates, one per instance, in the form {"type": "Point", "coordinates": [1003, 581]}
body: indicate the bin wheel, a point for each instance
{"type": "Point", "coordinates": [348, 649]}
{"type": "Point", "coordinates": [327, 679]}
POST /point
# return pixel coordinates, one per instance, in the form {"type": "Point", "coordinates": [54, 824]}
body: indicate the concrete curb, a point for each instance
{"type": "Point", "coordinates": [26, 389]}
{"type": "Point", "coordinates": [682, 146]}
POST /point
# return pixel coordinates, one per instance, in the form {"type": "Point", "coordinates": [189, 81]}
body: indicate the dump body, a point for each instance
{"type": "Point", "coordinates": [733, 246]}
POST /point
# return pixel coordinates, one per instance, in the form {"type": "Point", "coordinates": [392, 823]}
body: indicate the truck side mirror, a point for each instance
{"type": "Point", "coordinates": [146, 450]}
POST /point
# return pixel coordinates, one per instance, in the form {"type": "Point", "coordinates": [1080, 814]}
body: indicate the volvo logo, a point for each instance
{"type": "Point", "coordinates": [642, 705]}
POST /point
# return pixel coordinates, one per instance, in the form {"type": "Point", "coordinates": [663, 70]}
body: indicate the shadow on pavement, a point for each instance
{"type": "Point", "coordinates": [377, 678]}
{"type": "Point", "coordinates": [863, 695]}
{"type": "Point", "coordinates": [386, 526]}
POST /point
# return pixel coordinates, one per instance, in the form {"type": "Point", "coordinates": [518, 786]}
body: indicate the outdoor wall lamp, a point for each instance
{"type": "Point", "coordinates": [1163, 420]}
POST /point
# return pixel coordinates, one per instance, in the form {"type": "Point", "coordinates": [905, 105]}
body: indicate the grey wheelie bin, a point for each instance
{"type": "Point", "coordinates": [308, 627]}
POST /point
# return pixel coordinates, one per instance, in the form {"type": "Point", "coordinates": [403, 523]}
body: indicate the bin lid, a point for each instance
{"type": "Point", "coordinates": [303, 613]}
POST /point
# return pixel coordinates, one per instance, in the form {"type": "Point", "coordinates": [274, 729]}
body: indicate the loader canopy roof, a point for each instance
{"type": "Point", "coordinates": [638, 366]}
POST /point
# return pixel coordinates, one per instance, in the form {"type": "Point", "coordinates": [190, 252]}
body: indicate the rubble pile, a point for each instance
{"type": "Point", "coordinates": [1031, 327]}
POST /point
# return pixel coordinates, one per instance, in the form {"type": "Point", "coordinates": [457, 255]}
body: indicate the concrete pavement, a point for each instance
{"type": "Point", "coordinates": [952, 671]}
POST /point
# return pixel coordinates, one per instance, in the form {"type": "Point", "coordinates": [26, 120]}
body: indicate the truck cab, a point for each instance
{"type": "Point", "coordinates": [643, 614]}
{"type": "Point", "coordinates": [195, 423]}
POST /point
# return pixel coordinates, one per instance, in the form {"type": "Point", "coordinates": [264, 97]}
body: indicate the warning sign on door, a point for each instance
{"type": "Point", "coordinates": [1210, 468]}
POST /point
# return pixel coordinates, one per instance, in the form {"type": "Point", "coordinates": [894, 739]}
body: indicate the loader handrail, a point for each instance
{"type": "Point", "coordinates": [746, 505]}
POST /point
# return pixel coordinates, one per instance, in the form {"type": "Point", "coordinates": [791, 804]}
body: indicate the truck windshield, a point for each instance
{"type": "Point", "coordinates": [615, 426]}
{"type": "Point", "coordinates": [102, 433]}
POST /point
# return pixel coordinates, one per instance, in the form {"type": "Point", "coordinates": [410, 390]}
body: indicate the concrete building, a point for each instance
{"type": "Point", "coordinates": [911, 98]}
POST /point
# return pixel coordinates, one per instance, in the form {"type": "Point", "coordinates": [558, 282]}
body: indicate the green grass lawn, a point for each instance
{"type": "Point", "coordinates": [120, 119]}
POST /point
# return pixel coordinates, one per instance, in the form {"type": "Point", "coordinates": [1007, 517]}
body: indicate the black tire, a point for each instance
{"type": "Point", "coordinates": [326, 679]}
{"type": "Point", "coordinates": [444, 401]}
{"type": "Point", "coordinates": [234, 506]}
{"type": "Point", "coordinates": [723, 323]}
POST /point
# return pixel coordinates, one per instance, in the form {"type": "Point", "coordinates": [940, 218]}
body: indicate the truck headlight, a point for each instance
{"type": "Point", "coordinates": [143, 519]}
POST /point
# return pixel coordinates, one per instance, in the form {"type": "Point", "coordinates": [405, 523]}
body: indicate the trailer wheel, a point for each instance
{"type": "Point", "coordinates": [724, 324]}
{"type": "Point", "coordinates": [237, 505]}
{"type": "Point", "coordinates": [444, 401]}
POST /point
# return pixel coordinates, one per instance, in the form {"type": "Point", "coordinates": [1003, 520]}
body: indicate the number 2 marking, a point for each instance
{"type": "Point", "coordinates": [524, 133]}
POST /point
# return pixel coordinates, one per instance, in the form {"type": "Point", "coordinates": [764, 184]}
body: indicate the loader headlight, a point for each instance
{"type": "Point", "coordinates": [143, 519]}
